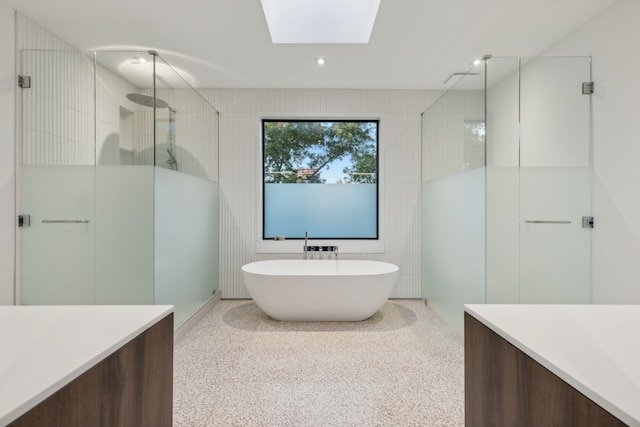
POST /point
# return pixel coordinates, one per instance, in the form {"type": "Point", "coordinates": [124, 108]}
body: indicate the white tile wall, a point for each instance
{"type": "Point", "coordinates": [30, 35]}
{"type": "Point", "coordinates": [400, 148]}
{"type": "Point", "coordinates": [58, 108]}
{"type": "Point", "coordinates": [62, 110]}
{"type": "Point", "coordinates": [196, 132]}
{"type": "Point", "coordinates": [111, 91]}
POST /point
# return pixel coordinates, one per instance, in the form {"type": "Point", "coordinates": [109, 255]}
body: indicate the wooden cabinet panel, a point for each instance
{"type": "Point", "coordinates": [131, 387]}
{"type": "Point", "coordinates": [505, 387]}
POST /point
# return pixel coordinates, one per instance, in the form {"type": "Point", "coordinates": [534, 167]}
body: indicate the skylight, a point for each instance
{"type": "Point", "coordinates": [320, 21]}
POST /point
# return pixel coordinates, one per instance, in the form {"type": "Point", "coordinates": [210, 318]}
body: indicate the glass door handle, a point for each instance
{"type": "Point", "coordinates": [531, 221]}
{"type": "Point", "coordinates": [65, 221]}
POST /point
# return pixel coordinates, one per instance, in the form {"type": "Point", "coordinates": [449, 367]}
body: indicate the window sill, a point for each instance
{"type": "Point", "coordinates": [295, 246]}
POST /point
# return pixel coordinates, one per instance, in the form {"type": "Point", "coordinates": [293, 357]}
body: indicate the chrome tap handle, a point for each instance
{"type": "Point", "coordinates": [305, 248]}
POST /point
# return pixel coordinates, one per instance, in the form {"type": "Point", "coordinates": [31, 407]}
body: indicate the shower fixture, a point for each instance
{"type": "Point", "coordinates": [459, 75]}
{"type": "Point", "coordinates": [147, 100]}
{"type": "Point", "coordinates": [150, 101]}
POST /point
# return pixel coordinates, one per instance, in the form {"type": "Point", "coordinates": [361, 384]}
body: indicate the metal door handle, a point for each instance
{"type": "Point", "coordinates": [531, 221]}
{"type": "Point", "coordinates": [65, 221]}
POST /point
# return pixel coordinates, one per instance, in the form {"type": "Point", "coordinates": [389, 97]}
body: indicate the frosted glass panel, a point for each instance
{"type": "Point", "coordinates": [124, 235]}
{"type": "Point", "coordinates": [186, 250]}
{"type": "Point", "coordinates": [214, 236]}
{"type": "Point", "coordinates": [57, 258]}
{"type": "Point", "coordinates": [503, 235]}
{"type": "Point", "coordinates": [453, 235]}
{"type": "Point", "coordinates": [555, 258]}
{"type": "Point", "coordinates": [323, 210]}
{"type": "Point", "coordinates": [453, 200]}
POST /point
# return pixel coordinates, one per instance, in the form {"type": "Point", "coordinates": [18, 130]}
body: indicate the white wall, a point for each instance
{"type": "Point", "coordinates": [399, 113]}
{"type": "Point", "coordinates": [7, 153]}
{"type": "Point", "coordinates": [611, 39]}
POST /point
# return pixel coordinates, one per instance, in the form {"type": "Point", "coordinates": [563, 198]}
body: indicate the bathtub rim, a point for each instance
{"type": "Point", "coordinates": [247, 268]}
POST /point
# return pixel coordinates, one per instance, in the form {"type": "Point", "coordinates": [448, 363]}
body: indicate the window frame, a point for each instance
{"type": "Point", "coordinates": [346, 245]}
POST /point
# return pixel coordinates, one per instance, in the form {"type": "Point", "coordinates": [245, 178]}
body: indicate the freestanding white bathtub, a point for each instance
{"type": "Point", "coordinates": [320, 290]}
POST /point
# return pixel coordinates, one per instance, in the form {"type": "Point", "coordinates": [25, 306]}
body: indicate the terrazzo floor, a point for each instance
{"type": "Point", "coordinates": [238, 367]}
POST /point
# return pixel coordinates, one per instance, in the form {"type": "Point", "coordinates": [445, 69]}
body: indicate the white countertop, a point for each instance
{"type": "Point", "coordinates": [43, 348]}
{"type": "Point", "coordinates": [594, 348]}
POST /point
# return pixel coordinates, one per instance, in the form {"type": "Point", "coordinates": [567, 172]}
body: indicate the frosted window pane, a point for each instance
{"type": "Point", "coordinates": [324, 211]}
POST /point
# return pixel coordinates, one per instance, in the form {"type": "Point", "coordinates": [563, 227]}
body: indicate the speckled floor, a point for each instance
{"type": "Point", "coordinates": [238, 367]}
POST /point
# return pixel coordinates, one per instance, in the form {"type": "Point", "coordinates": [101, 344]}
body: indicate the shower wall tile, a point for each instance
{"type": "Point", "coordinates": [30, 35]}
{"type": "Point", "coordinates": [60, 107]}
{"type": "Point", "coordinates": [196, 132]}
{"type": "Point", "coordinates": [240, 162]}
{"type": "Point", "coordinates": [59, 104]}
{"type": "Point", "coordinates": [111, 93]}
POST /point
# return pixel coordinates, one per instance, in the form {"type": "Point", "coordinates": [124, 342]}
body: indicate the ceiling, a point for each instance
{"type": "Point", "coordinates": [415, 44]}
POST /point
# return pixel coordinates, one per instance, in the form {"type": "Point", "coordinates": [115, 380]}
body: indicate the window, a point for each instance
{"type": "Point", "coordinates": [320, 177]}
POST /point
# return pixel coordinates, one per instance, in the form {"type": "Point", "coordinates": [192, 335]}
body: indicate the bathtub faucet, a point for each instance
{"type": "Point", "coordinates": [305, 248]}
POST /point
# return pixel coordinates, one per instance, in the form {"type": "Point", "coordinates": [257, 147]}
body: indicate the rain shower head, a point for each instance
{"type": "Point", "coordinates": [150, 101]}
{"type": "Point", "coordinates": [147, 100]}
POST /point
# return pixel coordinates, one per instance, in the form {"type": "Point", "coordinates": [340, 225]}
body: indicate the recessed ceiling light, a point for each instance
{"type": "Point", "coordinates": [321, 61]}
{"type": "Point", "coordinates": [320, 21]}
{"type": "Point", "coordinates": [477, 62]}
{"type": "Point", "coordinates": [138, 60]}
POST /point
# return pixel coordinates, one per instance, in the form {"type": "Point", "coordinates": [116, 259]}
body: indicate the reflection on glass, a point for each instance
{"type": "Point", "coordinates": [474, 137]}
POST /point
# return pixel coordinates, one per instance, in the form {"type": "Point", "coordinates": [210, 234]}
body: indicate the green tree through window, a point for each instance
{"type": "Point", "coordinates": [301, 151]}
